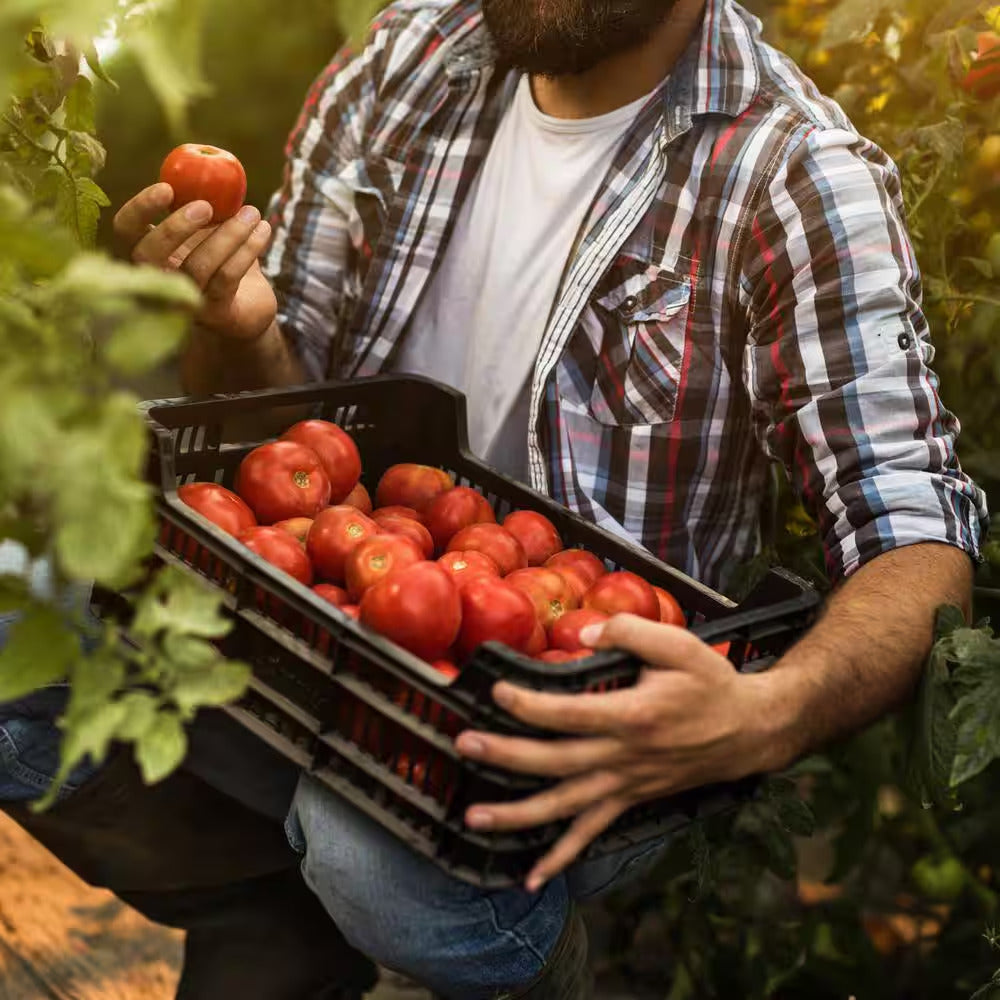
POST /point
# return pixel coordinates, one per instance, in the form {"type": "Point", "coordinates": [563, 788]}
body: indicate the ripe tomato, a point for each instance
{"type": "Point", "coordinates": [337, 452]}
{"type": "Point", "coordinates": [334, 533]}
{"type": "Point", "coordinates": [283, 480]}
{"type": "Point", "coordinates": [352, 611]}
{"type": "Point", "coordinates": [359, 498]}
{"type": "Point", "coordinates": [336, 596]}
{"type": "Point", "coordinates": [671, 612]}
{"type": "Point", "coordinates": [562, 655]}
{"type": "Point", "coordinates": [417, 607]}
{"type": "Point", "coordinates": [492, 540]}
{"type": "Point", "coordinates": [536, 533]}
{"type": "Point", "coordinates": [565, 633]}
{"type": "Point", "coordinates": [205, 173]}
{"type": "Point", "coordinates": [551, 595]}
{"type": "Point", "coordinates": [397, 524]}
{"type": "Point", "coordinates": [411, 485]}
{"type": "Point", "coordinates": [297, 527]}
{"type": "Point", "coordinates": [465, 566]}
{"type": "Point", "coordinates": [450, 512]}
{"type": "Point", "coordinates": [219, 505]}
{"type": "Point", "coordinates": [494, 610]}
{"type": "Point", "coordinates": [579, 568]}
{"type": "Point", "coordinates": [538, 643]}
{"type": "Point", "coordinates": [374, 558]}
{"type": "Point", "coordinates": [281, 550]}
{"type": "Point", "coordinates": [983, 78]}
{"type": "Point", "coordinates": [397, 511]}
{"type": "Point", "coordinates": [623, 593]}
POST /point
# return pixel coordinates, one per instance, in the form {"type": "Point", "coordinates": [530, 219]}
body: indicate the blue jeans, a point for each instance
{"type": "Point", "coordinates": [403, 911]}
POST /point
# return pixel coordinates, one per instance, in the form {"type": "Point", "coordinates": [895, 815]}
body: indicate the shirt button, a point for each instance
{"type": "Point", "coordinates": [904, 341]}
{"type": "Point", "coordinates": [629, 305]}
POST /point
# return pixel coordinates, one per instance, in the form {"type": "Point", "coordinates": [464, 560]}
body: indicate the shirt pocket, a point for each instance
{"type": "Point", "coordinates": [643, 319]}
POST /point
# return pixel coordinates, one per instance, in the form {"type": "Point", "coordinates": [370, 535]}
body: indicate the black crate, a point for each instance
{"type": "Point", "coordinates": [371, 721]}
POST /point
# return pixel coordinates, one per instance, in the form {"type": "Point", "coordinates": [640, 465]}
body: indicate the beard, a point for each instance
{"type": "Point", "coordinates": [565, 37]}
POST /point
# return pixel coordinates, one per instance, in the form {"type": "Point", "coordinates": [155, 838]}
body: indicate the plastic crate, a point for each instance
{"type": "Point", "coordinates": [368, 719]}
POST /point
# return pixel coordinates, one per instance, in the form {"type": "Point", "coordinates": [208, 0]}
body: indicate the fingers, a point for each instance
{"type": "Point", "coordinates": [581, 714]}
{"type": "Point", "coordinates": [222, 261]}
{"type": "Point", "coordinates": [136, 216]}
{"type": "Point", "coordinates": [657, 644]}
{"type": "Point", "coordinates": [558, 759]}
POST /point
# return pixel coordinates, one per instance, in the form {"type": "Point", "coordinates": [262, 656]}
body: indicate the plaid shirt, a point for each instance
{"type": "Point", "coordinates": [743, 291]}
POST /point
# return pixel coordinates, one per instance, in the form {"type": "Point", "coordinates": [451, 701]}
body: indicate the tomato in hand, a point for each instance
{"type": "Point", "coordinates": [492, 540]}
{"type": "Point", "coordinates": [493, 610]}
{"type": "Point", "coordinates": [337, 452]}
{"type": "Point", "coordinates": [536, 533]}
{"type": "Point", "coordinates": [282, 480]}
{"type": "Point", "coordinates": [198, 172]}
{"type": "Point", "coordinates": [280, 549]}
{"type": "Point", "coordinates": [335, 532]}
{"type": "Point", "coordinates": [623, 593]}
{"type": "Point", "coordinates": [220, 506]}
{"type": "Point", "coordinates": [410, 485]}
{"type": "Point", "coordinates": [450, 512]}
{"type": "Point", "coordinates": [377, 557]}
{"type": "Point", "coordinates": [565, 633]}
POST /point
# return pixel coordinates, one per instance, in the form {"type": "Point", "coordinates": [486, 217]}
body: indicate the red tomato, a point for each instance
{"type": "Point", "coordinates": [397, 524]}
{"type": "Point", "coordinates": [417, 607]}
{"type": "Point", "coordinates": [281, 550]}
{"type": "Point", "coordinates": [283, 480]}
{"type": "Point", "coordinates": [723, 648]}
{"type": "Point", "coordinates": [623, 593]}
{"type": "Point", "coordinates": [671, 612]}
{"type": "Point", "coordinates": [205, 173]}
{"type": "Point", "coordinates": [494, 610]}
{"type": "Point", "coordinates": [550, 593]}
{"type": "Point", "coordinates": [580, 569]}
{"type": "Point", "coordinates": [448, 513]}
{"type": "Point", "coordinates": [375, 558]}
{"type": "Point", "coordinates": [411, 486]}
{"type": "Point", "coordinates": [334, 533]}
{"type": "Point", "coordinates": [465, 566]}
{"type": "Point", "coordinates": [492, 540]}
{"type": "Point", "coordinates": [536, 533]}
{"type": "Point", "coordinates": [446, 667]}
{"type": "Point", "coordinates": [563, 656]}
{"type": "Point", "coordinates": [352, 611]}
{"type": "Point", "coordinates": [565, 634]}
{"type": "Point", "coordinates": [297, 527]}
{"type": "Point", "coordinates": [983, 78]}
{"type": "Point", "coordinates": [223, 508]}
{"type": "Point", "coordinates": [397, 511]}
{"type": "Point", "coordinates": [337, 452]}
{"type": "Point", "coordinates": [538, 643]}
{"type": "Point", "coordinates": [336, 596]}
{"type": "Point", "coordinates": [359, 498]}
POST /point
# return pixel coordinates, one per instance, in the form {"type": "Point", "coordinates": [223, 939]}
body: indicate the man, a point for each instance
{"type": "Point", "coordinates": [657, 260]}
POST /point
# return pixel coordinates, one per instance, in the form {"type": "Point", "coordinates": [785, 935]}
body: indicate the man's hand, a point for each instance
{"type": "Point", "coordinates": [223, 261]}
{"type": "Point", "coordinates": [692, 720]}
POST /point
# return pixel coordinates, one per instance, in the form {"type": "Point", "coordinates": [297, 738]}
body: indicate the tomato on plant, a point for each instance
{"type": "Point", "coordinates": [492, 540]}
{"type": "Point", "coordinates": [219, 505]}
{"type": "Point", "coordinates": [450, 512]}
{"type": "Point", "coordinates": [377, 557]}
{"type": "Point", "coordinates": [493, 610]}
{"type": "Point", "coordinates": [198, 172]}
{"type": "Point", "coordinates": [983, 78]}
{"type": "Point", "coordinates": [337, 452]}
{"type": "Point", "coordinates": [536, 533]}
{"type": "Point", "coordinates": [282, 480]}
{"type": "Point", "coordinates": [409, 485]}
{"type": "Point", "coordinates": [623, 593]}
{"type": "Point", "coordinates": [335, 532]}
{"type": "Point", "coordinates": [281, 550]}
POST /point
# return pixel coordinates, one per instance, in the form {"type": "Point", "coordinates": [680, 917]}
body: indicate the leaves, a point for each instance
{"type": "Point", "coordinates": [161, 748]}
{"type": "Point", "coordinates": [976, 715]}
{"type": "Point", "coordinates": [39, 651]}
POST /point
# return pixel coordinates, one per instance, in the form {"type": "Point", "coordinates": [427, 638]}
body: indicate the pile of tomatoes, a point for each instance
{"type": "Point", "coordinates": [426, 565]}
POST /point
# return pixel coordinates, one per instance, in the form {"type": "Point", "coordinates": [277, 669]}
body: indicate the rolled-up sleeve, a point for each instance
{"type": "Point", "coordinates": [837, 363]}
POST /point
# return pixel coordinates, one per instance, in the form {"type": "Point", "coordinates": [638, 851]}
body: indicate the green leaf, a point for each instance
{"type": "Point", "coordinates": [89, 733]}
{"type": "Point", "coordinates": [93, 276]}
{"type": "Point", "coordinates": [97, 67]}
{"type": "Point", "coordinates": [145, 341]}
{"type": "Point", "coordinates": [90, 199]}
{"type": "Point", "coordinates": [178, 602]}
{"type": "Point", "coordinates": [140, 715]}
{"type": "Point", "coordinates": [975, 655]}
{"type": "Point", "coordinates": [39, 651]}
{"type": "Point", "coordinates": [217, 685]}
{"type": "Point", "coordinates": [851, 20]}
{"type": "Point", "coordinates": [95, 679]}
{"type": "Point", "coordinates": [79, 107]}
{"type": "Point", "coordinates": [162, 748]}
{"type": "Point", "coordinates": [87, 155]}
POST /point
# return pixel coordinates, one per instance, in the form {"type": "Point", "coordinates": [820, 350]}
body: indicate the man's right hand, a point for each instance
{"type": "Point", "coordinates": [223, 260]}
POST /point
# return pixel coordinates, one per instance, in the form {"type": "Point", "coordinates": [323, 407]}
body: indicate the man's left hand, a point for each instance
{"type": "Point", "coordinates": [690, 721]}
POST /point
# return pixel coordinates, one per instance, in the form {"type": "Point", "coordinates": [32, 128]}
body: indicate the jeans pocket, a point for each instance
{"type": "Point", "coordinates": [589, 879]}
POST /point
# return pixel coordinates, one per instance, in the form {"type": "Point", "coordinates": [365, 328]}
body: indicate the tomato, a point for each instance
{"type": "Point", "coordinates": [297, 527]}
{"type": "Point", "coordinates": [563, 656]}
{"type": "Point", "coordinates": [359, 499]}
{"type": "Point", "coordinates": [492, 540]}
{"type": "Point", "coordinates": [397, 511]}
{"type": "Point", "coordinates": [337, 452]}
{"type": "Point", "coordinates": [448, 513]}
{"type": "Point", "coordinates": [940, 879]}
{"type": "Point", "coordinates": [336, 596]}
{"type": "Point", "coordinates": [281, 550]}
{"type": "Point", "coordinates": [465, 566]}
{"type": "Point", "coordinates": [283, 480]}
{"type": "Point", "coordinates": [623, 593]}
{"type": "Point", "coordinates": [579, 568]}
{"type": "Point", "coordinates": [550, 593]}
{"type": "Point", "coordinates": [538, 642]}
{"type": "Point", "coordinates": [376, 557]}
{"type": "Point", "coordinates": [220, 506]}
{"type": "Point", "coordinates": [671, 612]}
{"type": "Point", "coordinates": [565, 633]}
{"type": "Point", "coordinates": [494, 610]}
{"type": "Point", "coordinates": [205, 173]}
{"type": "Point", "coordinates": [536, 533]}
{"type": "Point", "coordinates": [417, 607]}
{"type": "Point", "coordinates": [334, 533]}
{"type": "Point", "coordinates": [352, 611]}
{"type": "Point", "coordinates": [983, 77]}
{"type": "Point", "coordinates": [397, 524]}
{"type": "Point", "coordinates": [412, 486]}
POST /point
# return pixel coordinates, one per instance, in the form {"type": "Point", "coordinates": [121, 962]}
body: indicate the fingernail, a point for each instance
{"type": "Point", "coordinates": [503, 696]}
{"type": "Point", "coordinates": [199, 211]}
{"type": "Point", "coordinates": [534, 882]}
{"type": "Point", "coordinates": [590, 635]}
{"type": "Point", "coordinates": [479, 819]}
{"type": "Point", "coordinates": [249, 215]}
{"type": "Point", "coordinates": [471, 746]}
{"type": "Point", "coordinates": [163, 194]}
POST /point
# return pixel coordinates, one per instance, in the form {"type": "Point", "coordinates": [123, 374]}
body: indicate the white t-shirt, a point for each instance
{"type": "Point", "coordinates": [481, 322]}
